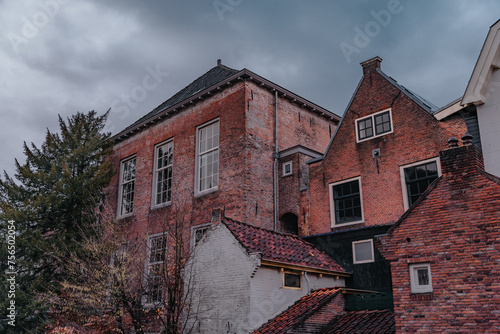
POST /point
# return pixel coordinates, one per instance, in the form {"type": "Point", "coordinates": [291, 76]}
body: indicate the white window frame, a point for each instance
{"type": "Point", "coordinates": [196, 228]}
{"type": "Point", "coordinates": [332, 203]}
{"type": "Point", "coordinates": [149, 264]}
{"type": "Point", "coordinates": [354, 243]}
{"type": "Point", "coordinates": [404, 188]}
{"type": "Point", "coordinates": [372, 116]}
{"type": "Point", "coordinates": [285, 165]}
{"type": "Point", "coordinates": [415, 287]}
{"type": "Point", "coordinates": [121, 184]}
{"type": "Point", "coordinates": [156, 171]}
{"type": "Point", "coordinates": [197, 190]}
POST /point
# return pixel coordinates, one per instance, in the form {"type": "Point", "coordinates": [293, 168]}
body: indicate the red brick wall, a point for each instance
{"type": "Point", "coordinates": [455, 229]}
{"type": "Point", "coordinates": [246, 144]}
{"type": "Point", "coordinates": [417, 136]}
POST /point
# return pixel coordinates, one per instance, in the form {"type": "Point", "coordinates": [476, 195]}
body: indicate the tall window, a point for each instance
{"type": "Point", "coordinates": [208, 157]}
{"type": "Point", "coordinates": [345, 202]}
{"type": "Point", "coordinates": [374, 125]}
{"type": "Point", "coordinates": [157, 245]}
{"type": "Point", "coordinates": [164, 156]}
{"type": "Point", "coordinates": [127, 187]}
{"type": "Point", "coordinates": [417, 178]}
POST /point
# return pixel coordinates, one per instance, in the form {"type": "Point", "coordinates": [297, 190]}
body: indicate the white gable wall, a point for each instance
{"type": "Point", "coordinates": [221, 272]}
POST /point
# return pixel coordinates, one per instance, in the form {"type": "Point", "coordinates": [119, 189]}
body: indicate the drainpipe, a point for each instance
{"type": "Point", "coordinates": [275, 162]}
{"type": "Point", "coordinates": [308, 283]}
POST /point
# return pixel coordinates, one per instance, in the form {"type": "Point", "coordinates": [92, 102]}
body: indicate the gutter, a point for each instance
{"type": "Point", "coordinates": [275, 162]}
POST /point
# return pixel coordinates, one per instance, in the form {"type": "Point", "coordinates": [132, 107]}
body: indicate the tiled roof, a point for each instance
{"type": "Point", "coordinates": [364, 322]}
{"type": "Point", "coordinates": [282, 248]}
{"type": "Point", "coordinates": [210, 78]}
{"type": "Point", "coordinates": [298, 312]}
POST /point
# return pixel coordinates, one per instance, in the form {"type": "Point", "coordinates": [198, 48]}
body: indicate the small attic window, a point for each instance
{"type": "Point", "coordinates": [291, 280]}
{"type": "Point", "coordinates": [287, 168]}
{"type": "Point", "coordinates": [374, 125]}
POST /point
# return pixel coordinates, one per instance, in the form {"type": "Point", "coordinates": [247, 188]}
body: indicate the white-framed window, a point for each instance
{"type": "Point", "coordinates": [292, 279]}
{"type": "Point", "coordinates": [162, 182]}
{"type": "Point", "coordinates": [362, 251]}
{"type": "Point", "coordinates": [198, 232]}
{"type": "Point", "coordinates": [374, 125]}
{"type": "Point", "coordinates": [207, 153]}
{"type": "Point", "coordinates": [127, 187]}
{"type": "Point", "coordinates": [416, 178]}
{"type": "Point", "coordinates": [420, 278]}
{"type": "Point", "coordinates": [346, 204]}
{"type": "Point", "coordinates": [156, 253]}
{"type": "Point", "coordinates": [287, 168]}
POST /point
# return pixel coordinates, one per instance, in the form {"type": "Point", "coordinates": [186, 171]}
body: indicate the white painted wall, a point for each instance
{"type": "Point", "coordinates": [488, 115]}
{"type": "Point", "coordinates": [268, 297]}
{"type": "Point", "coordinates": [232, 293]}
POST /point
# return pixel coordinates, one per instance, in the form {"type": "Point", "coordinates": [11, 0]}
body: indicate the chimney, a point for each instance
{"type": "Point", "coordinates": [371, 65]}
{"type": "Point", "coordinates": [217, 215]}
{"type": "Point", "coordinates": [219, 62]}
{"type": "Point", "coordinates": [461, 161]}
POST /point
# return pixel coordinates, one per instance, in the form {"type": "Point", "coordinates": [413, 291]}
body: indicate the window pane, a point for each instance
{"type": "Point", "coordinates": [363, 251]}
{"type": "Point", "coordinates": [292, 280]}
{"type": "Point", "coordinates": [347, 202]}
{"type": "Point", "coordinates": [418, 178]}
{"type": "Point", "coordinates": [365, 128]}
{"type": "Point", "coordinates": [423, 276]}
{"type": "Point", "coordinates": [382, 123]}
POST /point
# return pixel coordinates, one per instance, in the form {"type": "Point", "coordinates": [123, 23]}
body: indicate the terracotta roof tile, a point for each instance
{"type": "Point", "coordinates": [361, 322]}
{"type": "Point", "coordinates": [298, 312]}
{"type": "Point", "coordinates": [278, 247]}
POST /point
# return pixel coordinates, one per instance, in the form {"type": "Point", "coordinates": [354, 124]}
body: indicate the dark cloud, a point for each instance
{"type": "Point", "coordinates": [94, 54]}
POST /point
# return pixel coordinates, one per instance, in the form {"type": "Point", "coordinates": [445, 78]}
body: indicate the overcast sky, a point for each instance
{"type": "Point", "coordinates": [64, 56]}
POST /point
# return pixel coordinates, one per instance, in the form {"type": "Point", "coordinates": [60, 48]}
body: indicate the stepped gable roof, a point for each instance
{"type": "Point", "coordinates": [216, 79]}
{"type": "Point", "coordinates": [296, 314]}
{"type": "Point", "coordinates": [279, 248]}
{"type": "Point", "coordinates": [364, 322]}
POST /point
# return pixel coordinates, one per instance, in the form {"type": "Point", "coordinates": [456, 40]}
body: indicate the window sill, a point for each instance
{"type": "Point", "coordinates": [347, 224]}
{"type": "Point", "coordinates": [206, 192]}
{"type": "Point", "coordinates": [125, 216]}
{"type": "Point", "coordinates": [163, 205]}
{"type": "Point", "coordinates": [422, 296]}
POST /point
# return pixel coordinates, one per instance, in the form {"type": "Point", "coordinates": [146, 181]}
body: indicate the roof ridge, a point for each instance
{"type": "Point", "coordinates": [267, 230]}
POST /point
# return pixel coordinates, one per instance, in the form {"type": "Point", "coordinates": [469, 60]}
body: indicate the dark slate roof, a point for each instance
{"type": "Point", "coordinates": [428, 106]}
{"type": "Point", "coordinates": [364, 322]}
{"type": "Point", "coordinates": [210, 78]}
{"type": "Point", "coordinates": [281, 248]}
{"type": "Point", "coordinates": [296, 314]}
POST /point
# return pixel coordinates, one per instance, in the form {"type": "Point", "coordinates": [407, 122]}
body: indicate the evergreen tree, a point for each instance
{"type": "Point", "coordinates": [52, 204]}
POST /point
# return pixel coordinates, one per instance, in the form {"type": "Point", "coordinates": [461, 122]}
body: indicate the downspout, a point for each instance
{"type": "Point", "coordinates": [308, 283]}
{"type": "Point", "coordinates": [275, 162]}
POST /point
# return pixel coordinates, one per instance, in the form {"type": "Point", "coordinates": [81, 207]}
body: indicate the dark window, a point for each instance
{"type": "Point", "coordinates": [347, 202]}
{"type": "Point", "coordinates": [291, 280]}
{"type": "Point", "coordinates": [289, 222]}
{"type": "Point", "coordinates": [382, 123]}
{"type": "Point", "coordinates": [365, 128]}
{"type": "Point", "coordinates": [418, 179]}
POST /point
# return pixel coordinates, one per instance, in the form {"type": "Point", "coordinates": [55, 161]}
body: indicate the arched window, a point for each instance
{"type": "Point", "coordinates": [290, 223]}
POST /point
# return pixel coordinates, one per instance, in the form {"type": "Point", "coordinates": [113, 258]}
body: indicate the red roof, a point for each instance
{"type": "Point", "coordinates": [364, 322]}
{"type": "Point", "coordinates": [298, 312]}
{"type": "Point", "coordinates": [282, 248]}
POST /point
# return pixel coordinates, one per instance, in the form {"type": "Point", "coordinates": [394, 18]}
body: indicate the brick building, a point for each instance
{"type": "Point", "coordinates": [445, 251]}
{"type": "Point", "coordinates": [382, 157]}
{"type": "Point", "coordinates": [217, 144]}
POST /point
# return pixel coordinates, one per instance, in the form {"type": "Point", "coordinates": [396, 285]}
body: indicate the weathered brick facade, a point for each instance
{"type": "Point", "coordinates": [245, 108]}
{"type": "Point", "coordinates": [416, 135]}
{"type": "Point", "coordinates": [454, 228]}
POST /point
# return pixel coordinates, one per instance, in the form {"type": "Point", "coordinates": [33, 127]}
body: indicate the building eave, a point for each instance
{"type": "Point", "coordinates": [284, 265]}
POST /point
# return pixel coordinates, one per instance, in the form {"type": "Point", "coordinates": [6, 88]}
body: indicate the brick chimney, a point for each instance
{"type": "Point", "coordinates": [371, 65]}
{"type": "Point", "coordinates": [460, 162]}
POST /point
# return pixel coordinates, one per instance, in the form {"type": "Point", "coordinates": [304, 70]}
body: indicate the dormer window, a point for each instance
{"type": "Point", "coordinates": [374, 125]}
